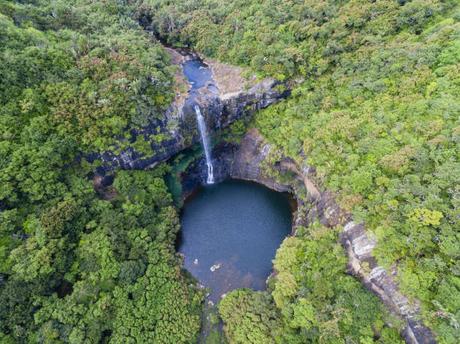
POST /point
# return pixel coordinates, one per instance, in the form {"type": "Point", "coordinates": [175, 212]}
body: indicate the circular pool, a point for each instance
{"type": "Point", "coordinates": [230, 234]}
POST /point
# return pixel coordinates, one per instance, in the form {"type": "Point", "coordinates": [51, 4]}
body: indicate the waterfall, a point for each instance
{"type": "Point", "coordinates": [205, 142]}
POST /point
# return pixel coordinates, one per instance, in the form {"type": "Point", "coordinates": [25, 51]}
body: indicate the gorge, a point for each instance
{"type": "Point", "coordinates": [210, 106]}
{"type": "Point", "coordinates": [220, 104]}
{"type": "Point", "coordinates": [229, 172]}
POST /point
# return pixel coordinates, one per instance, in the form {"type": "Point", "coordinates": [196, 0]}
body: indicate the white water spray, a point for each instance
{"type": "Point", "coordinates": [205, 142]}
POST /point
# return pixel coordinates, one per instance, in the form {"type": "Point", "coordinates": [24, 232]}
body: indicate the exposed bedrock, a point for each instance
{"type": "Point", "coordinates": [252, 158]}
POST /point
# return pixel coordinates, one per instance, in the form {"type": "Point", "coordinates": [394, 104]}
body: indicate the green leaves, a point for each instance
{"type": "Point", "coordinates": [303, 315]}
{"type": "Point", "coordinates": [425, 217]}
{"type": "Point", "coordinates": [318, 299]}
{"type": "Point", "coordinates": [377, 116]}
{"type": "Point", "coordinates": [75, 77]}
{"type": "Point", "coordinates": [312, 299]}
{"type": "Point", "coordinates": [249, 317]}
{"type": "Point", "coordinates": [379, 128]}
{"type": "Point", "coordinates": [125, 280]}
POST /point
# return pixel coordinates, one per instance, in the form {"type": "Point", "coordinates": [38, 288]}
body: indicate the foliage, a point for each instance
{"type": "Point", "coordinates": [375, 112]}
{"type": "Point", "coordinates": [249, 317]}
{"type": "Point", "coordinates": [87, 73]}
{"type": "Point", "coordinates": [114, 278]}
{"type": "Point", "coordinates": [377, 115]}
{"type": "Point", "coordinates": [314, 300]}
{"type": "Point", "coordinates": [76, 75]}
{"type": "Point", "coordinates": [391, 154]}
{"type": "Point", "coordinates": [319, 301]}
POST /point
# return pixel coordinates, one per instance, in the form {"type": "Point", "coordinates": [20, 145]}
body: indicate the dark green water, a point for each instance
{"type": "Point", "coordinates": [237, 227]}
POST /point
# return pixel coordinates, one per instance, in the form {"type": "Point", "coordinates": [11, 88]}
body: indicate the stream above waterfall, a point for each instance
{"type": "Point", "coordinates": [230, 234]}
{"type": "Point", "coordinates": [199, 75]}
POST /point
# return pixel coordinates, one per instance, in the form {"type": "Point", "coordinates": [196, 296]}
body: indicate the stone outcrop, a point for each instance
{"type": "Point", "coordinates": [246, 161]}
{"type": "Point", "coordinates": [359, 246]}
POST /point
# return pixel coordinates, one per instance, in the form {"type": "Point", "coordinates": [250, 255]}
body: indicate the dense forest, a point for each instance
{"type": "Point", "coordinates": [76, 266]}
{"type": "Point", "coordinates": [376, 111]}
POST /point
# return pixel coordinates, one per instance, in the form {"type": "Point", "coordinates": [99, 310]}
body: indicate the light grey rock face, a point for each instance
{"type": "Point", "coordinates": [359, 246]}
{"type": "Point", "coordinates": [361, 243]}
{"type": "Point", "coordinates": [362, 264]}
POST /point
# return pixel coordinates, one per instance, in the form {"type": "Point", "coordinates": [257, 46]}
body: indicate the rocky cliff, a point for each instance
{"type": "Point", "coordinates": [221, 101]}
{"type": "Point", "coordinates": [224, 101]}
{"type": "Point", "coordinates": [253, 158]}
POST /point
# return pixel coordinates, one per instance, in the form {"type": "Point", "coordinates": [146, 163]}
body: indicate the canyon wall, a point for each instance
{"type": "Point", "coordinates": [222, 102]}
{"type": "Point", "coordinates": [255, 160]}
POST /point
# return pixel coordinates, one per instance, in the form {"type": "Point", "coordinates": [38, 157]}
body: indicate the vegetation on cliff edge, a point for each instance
{"type": "Point", "coordinates": [377, 115]}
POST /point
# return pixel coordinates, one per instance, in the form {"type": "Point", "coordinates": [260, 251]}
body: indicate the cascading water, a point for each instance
{"type": "Point", "coordinates": [205, 142]}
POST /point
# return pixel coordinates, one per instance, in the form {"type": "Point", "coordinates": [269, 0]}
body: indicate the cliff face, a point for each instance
{"type": "Point", "coordinates": [220, 101]}
{"type": "Point", "coordinates": [247, 160]}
